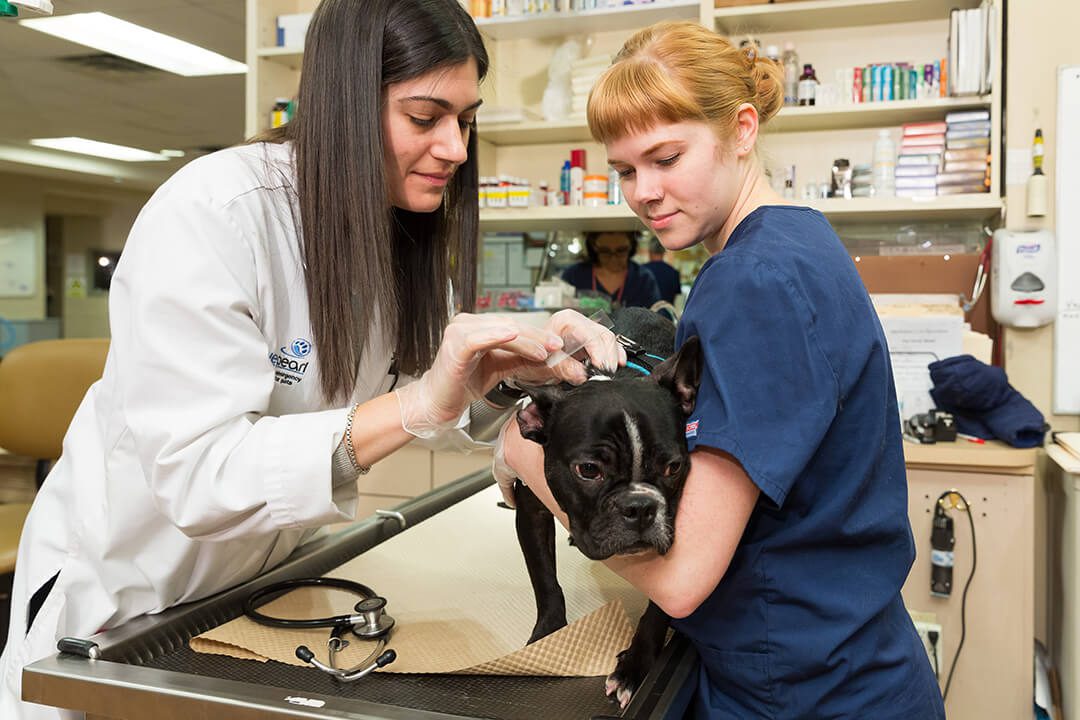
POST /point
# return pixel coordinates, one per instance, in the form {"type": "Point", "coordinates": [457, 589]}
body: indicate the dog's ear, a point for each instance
{"type": "Point", "coordinates": [532, 419]}
{"type": "Point", "coordinates": [681, 374]}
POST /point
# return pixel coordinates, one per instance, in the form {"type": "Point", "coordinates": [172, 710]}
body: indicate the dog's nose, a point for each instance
{"type": "Point", "coordinates": [639, 511]}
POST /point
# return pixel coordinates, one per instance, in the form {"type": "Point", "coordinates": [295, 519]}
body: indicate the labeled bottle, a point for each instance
{"type": "Point", "coordinates": [614, 187]}
{"type": "Point", "coordinates": [884, 166]}
{"type": "Point", "coordinates": [791, 74]}
{"type": "Point", "coordinates": [564, 182]}
{"type": "Point", "coordinates": [279, 114]}
{"type": "Point", "coordinates": [807, 85]}
{"type": "Point", "coordinates": [577, 177]}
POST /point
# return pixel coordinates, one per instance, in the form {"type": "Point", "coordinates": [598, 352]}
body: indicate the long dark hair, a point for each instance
{"type": "Point", "coordinates": [363, 257]}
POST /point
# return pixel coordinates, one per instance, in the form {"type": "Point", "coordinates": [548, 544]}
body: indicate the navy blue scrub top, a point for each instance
{"type": "Point", "coordinates": [639, 288]}
{"type": "Point", "coordinates": [808, 621]}
{"type": "Point", "coordinates": [667, 279]}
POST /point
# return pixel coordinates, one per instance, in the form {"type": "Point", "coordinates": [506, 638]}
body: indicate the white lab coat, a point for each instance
{"type": "Point", "coordinates": [203, 455]}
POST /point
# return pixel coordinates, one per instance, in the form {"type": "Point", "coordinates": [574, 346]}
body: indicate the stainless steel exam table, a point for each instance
{"type": "Point", "coordinates": [146, 671]}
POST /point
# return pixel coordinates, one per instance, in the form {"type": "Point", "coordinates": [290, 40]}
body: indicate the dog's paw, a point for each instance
{"type": "Point", "coordinates": [545, 627]}
{"type": "Point", "coordinates": [624, 682]}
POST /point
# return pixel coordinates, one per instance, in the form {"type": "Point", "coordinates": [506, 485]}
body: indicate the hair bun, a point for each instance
{"type": "Point", "coordinates": [768, 76]}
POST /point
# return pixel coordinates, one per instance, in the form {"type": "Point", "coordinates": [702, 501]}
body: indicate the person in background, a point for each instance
{"type": "Point", "coordinates": [792, 537]}
{"type": "Point", "coordinates": [667, 277]}
{"type": "Point", "coordinates": [281, 320]}
{"type": "Point", "coordinates": [609, 270]}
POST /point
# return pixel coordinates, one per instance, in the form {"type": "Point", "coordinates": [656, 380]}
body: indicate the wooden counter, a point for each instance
{"type": "Point", "coordinates": [993, 677]}
{"type": "Point", "coordinates": [967, 456]}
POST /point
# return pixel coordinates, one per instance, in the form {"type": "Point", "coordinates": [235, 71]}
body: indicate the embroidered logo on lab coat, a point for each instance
{"type": "Point", "coordinates": [290, 361]}
{"type": "Point", "coordinates": [691, 428]}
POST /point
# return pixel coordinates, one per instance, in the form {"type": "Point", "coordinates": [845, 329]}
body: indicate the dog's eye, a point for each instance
{"type": "Point", "coordinates": [589, 471]}
{"type": "Point", "coordinates": [673, 468]}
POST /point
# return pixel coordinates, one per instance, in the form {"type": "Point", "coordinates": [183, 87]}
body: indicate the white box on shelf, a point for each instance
{"type": "Point", "coordinates": [291, 29]}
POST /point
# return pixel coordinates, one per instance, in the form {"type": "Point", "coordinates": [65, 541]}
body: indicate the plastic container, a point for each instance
{"type": "Point", "coordinates": [791, 74]}
{"type": "Point", "coordinates": [577, 177]}
{"type": "Point", "coordinates": [884, 165]}
{"type": "Point", "coordinates": [595, 189]}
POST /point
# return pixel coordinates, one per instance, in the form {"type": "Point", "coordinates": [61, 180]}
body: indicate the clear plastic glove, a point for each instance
{"type": "Point", "coordinates": [505, 475]}
{"type": "Point", "coordinates": [580, 336]}
{"type": "Point", "coordinates": [476, 352]}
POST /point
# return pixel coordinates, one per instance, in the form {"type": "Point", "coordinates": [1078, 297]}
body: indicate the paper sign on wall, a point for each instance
{"type": "Point", "coordinates": [18, 263]}
{"type": "Point", "coordinates": [1067, 229]}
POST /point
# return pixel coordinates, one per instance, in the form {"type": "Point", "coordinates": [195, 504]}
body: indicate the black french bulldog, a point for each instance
{"type": "Point", "coordinates": [615, 458]}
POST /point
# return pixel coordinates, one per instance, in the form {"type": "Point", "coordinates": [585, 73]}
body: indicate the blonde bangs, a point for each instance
{"type": "Point", "coordinates": [632, 96]}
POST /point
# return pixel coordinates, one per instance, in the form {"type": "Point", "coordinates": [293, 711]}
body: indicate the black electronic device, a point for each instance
{"type": "Point", "coordinates": [934, 426]}
{"type": "Point", "coordinates": [942, 541]}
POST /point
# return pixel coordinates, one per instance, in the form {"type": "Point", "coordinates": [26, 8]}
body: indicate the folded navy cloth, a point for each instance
{"type": "Point", "coordinates": [983, 402]}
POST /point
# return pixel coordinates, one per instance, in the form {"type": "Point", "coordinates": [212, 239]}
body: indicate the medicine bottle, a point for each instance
{"type": "Point", "coordinates": [279, 114]}
{"type": "Point", "coordinates": [807, 85]}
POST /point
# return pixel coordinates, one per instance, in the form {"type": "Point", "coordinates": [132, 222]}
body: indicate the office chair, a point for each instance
{"type": "Point", "coordinates": [41, 386]}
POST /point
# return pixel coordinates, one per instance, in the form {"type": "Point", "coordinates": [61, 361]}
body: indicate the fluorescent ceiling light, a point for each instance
{"type": "Point", "coordinates": [99, 149]}
{"type": "Point", "coordinates": [119, 37]}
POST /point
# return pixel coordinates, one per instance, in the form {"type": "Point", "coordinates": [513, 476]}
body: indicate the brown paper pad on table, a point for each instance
{"type": "Point", "coordinates": [457, 586]}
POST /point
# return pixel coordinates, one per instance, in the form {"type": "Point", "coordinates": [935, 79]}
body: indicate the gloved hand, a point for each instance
{"type": "Point", "coordinates": [475, 353]}
{"type": "Point", "coordinates": [577, 331]}
{"type": "Point", "coordinates": [505, 475]}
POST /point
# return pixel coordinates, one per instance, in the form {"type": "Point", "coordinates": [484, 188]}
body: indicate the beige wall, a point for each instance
{"type": "Point", "coordinates": [22, 208]}
{"type": "Point", "coordinates": [1041, 35]}
{"type": "Point", "coordinates": [92, 218]}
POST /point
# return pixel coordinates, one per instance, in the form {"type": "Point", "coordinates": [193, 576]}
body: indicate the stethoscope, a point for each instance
{"type": "Point", "coordinates": [369, 622]}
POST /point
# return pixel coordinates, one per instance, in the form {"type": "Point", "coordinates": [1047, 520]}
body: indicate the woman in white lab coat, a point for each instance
{"type": "Point", "coordinates": [269, 298]}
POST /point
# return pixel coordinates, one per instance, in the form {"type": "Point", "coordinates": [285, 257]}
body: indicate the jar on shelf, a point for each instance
{"type": "Point", "coordinates": [596, 190]}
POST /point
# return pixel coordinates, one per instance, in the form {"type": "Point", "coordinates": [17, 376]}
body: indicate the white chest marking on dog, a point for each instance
{"type": "Point", "coordinates": [636, 446]}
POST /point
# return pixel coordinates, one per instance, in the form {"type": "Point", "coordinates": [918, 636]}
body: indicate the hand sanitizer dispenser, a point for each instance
{"type": "Point", "coordinates": [1024, 276]}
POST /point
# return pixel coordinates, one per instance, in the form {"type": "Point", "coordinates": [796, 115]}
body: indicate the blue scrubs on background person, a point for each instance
{"type": "Point", "coordinates": [667, 277]}
{"type": "Point", "coordinates": [609, 271]}
{"type": "Point", "coordinates": [638, 290]}
{"type": "Point", "coordinates": [808, 621]}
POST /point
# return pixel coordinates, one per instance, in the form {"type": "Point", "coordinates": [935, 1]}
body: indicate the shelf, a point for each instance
{"type": "Point", "coordinates": [291, 57]}
{"type": "Point", "coordinates": [609, 217]}
{"type": "Point", "coordinates": [977, 206]}
{"type": "Point", "coordinates": [973, 207]}
{"type": "Point", "coordinates": [824, 14]}
{"type": "Point", "coordinates": [584, 22]}
{"type": "Point", "coordinates": [534, 132]}
{"type": "Point", "coordinates": [892, 113]}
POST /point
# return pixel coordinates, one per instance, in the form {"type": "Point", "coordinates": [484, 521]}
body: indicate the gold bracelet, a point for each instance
{"type": "Point", "coordinates": [360, 469]}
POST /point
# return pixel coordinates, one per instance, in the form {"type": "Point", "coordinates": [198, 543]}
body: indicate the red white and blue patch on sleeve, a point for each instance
{"type": "Point", "coordinates": [691, 428]}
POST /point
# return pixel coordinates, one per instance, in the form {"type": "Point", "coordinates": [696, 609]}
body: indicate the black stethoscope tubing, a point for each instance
{"type": "Point", "coordinates": [286, 585]}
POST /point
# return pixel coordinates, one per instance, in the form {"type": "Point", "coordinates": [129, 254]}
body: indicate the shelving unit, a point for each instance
{"type": "Point", "coordinates": [976, 207]}
{"type": "Point", "coordinates": [626, 18]}
{"type": "Point", "coordinates": [811, 137]}
{"type": "Point", "coordinates": [822, 14]}
{"type": "Point", "coordinates": [789, 119]}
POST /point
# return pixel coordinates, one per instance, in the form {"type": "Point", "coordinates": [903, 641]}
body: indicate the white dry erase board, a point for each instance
{"type": "Point", "coordinates": [1067, 228]}
{"type": "Point", "coordinates": [18, 269]}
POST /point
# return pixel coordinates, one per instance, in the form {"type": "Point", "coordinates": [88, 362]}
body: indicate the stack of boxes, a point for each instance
{"type": "Point", "coordinates": [949, 157]}
{"type": "Point", "coordinates": [921, 148]}
{"type": "Point", "coordinates": [966, 161]}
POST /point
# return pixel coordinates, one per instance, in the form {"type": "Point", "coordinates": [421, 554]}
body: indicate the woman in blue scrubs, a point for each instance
{"type": "Point", "coordinates": [792, 535]}
{"type": "Point", "coordinates": [610, 272]}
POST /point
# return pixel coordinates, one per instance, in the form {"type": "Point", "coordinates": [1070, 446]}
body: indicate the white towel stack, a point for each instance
{"type": "Point", "coordinates": [583, 75]}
